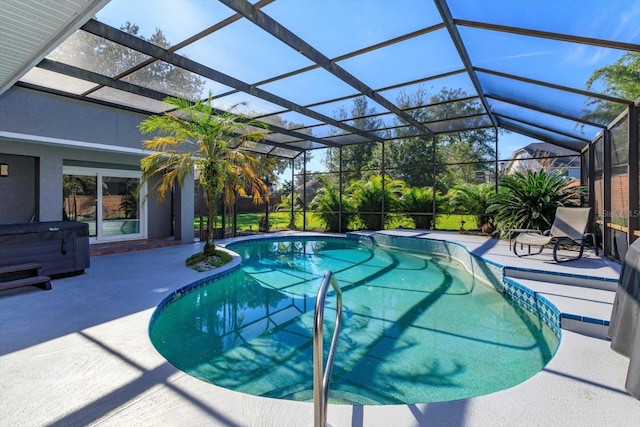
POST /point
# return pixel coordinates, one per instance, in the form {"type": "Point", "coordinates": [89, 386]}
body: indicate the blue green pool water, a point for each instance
{"type": "Point", "coordinates": [416, 327]}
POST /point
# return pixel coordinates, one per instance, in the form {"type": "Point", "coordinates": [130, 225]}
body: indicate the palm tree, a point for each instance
{"type": "Point", "coordinates": [367, 197]}
{"type": "Point", "coordinates": [289, 202]}
{"type": "Point", "coordinates": [246, 173]}
{"type": "Point", "coordinates": [472, 199]}
{"type": "Point", "coordinates": [531, 200]}
{"type": "Point", "coordinates": [198, 136]}
{"type": "Point", "coordinates": [327, 204]}
{"type": "Point", "coordinates": [418, 200]}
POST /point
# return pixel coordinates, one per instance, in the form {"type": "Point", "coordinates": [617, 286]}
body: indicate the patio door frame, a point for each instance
{"type": "Point", "coordinates": [100, 173]}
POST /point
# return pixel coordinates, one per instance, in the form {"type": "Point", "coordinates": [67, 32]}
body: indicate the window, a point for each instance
{"type": "Point", "coordinates": [107, 200]}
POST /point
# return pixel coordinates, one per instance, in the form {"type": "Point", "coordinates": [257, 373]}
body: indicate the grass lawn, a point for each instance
{"type": "Point", "coordinates": [279, 221]}
{"type": "Point", "coordinates": [248, 222]}
{"type": "Point", "coordinates": [452, 222]}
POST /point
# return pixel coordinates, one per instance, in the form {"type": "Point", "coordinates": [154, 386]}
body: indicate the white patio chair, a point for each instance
{"type": "Point", "coordinates": [569, 225]}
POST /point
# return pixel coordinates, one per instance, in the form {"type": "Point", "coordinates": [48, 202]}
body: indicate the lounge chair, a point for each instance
{"type": "Point", "coordinates": [569, 226]}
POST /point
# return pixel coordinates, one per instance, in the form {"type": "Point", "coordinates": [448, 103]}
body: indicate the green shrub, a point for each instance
{"type": "Point", "coordinates": [326, 205]}
{"type": "Point", "coordinates": [531, 200]}
{"type": "Point", "coordinates": [208, 260]}
{"type": "Point", "coordinates": [367, 198]}
{"type": "Point", "coordinates": [420, 199]}
{"type": "Point", "coordinates": [472, 199]}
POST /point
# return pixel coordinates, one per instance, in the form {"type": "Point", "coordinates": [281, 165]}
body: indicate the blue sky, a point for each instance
{"type": "Point", "coordinates": [246, 52]}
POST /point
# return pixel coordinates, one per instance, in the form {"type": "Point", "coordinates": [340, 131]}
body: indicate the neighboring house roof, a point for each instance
{"type": "Point", "coordinates": [525, 158]}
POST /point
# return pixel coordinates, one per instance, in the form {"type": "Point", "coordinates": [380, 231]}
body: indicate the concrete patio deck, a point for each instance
{"type": "Point", "coordinates": [80, 355]}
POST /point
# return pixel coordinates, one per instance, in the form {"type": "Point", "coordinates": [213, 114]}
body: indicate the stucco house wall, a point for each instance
{"type": "Point", "coordinates": [40, 133]}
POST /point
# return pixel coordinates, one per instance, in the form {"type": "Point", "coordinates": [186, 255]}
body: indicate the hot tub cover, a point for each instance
{"type": "Point", "coordinates": [624, 328]}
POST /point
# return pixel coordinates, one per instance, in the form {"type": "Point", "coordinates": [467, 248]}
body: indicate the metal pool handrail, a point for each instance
{"type": "Point", "coordinates": [321, 379]}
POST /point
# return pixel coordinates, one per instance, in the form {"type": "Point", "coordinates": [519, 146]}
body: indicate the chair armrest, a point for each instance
{"type": "Point", "coordinates": [524, 230]}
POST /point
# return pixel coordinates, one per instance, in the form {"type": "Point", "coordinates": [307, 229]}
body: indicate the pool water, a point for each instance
{"type": "Point", "coordinates": [416, 327]}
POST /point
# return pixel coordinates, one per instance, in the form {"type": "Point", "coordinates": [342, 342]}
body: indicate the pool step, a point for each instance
{"type": "Point", "coordinates": [564, 279]}
{"type": "Point", "coordinates": [584, 310]}
{"type": "Point", "coordinates": [19, 275]}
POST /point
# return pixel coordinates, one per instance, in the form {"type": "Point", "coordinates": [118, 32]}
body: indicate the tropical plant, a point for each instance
{"type": "Point", "coordinates": [200, 137]}
{"type": "Point", "coordinates": [326, 204]}
{"type": "Point", "coordinates": [263, 223]}
{"type": "Point", "coordinates": [129, 201]}
{"type": "Point", "coordinates": [418, 200]}
{"type": "Point", "coordinates": [246, 170]}
{"type": "Point", "coordinates": [472, 199]}
{"type": "Point", "coordinates": [290, 203]}
{"type": "Point", "coordinates": [79, 197]}
{"type": "Point", "coordinates": [531, 200]}
{"type": "Point", "coordinates": [367, 197]}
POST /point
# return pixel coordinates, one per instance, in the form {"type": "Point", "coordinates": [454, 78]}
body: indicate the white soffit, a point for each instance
{"type": "Point", "coordinates": [30, 29]}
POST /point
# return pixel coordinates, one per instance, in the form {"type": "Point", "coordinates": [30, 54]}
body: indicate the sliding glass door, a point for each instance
{"type": "Point", "coordinates": [80, 200]}
{"type": "Point", "coordinates": [106, 199]}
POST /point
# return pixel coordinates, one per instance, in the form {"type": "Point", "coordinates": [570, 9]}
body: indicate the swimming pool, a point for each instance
{"type": "Point", "coordinates": [417, 327]}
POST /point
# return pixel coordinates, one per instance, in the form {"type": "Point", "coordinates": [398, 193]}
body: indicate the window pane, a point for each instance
{"type": "Point", "coordinates": [169, 79]}
{"type": "Point", "coordinates": [541, 134]}
{"type": "Point", "coordinates": [560, 62]}
{"type": "Point", "coordinates": [129, 99]}
{"type": "Point", "coordinates": [79, 194]}
{"type": "Point", "coordinates": [120, 207]}
{"type": "Point", "coordinates": [555, 100]}
{"type": "Point", "coordinates": [46, 78]}
{"type": "Point", "coordinates": [302, 88]}
{"type": "Point", "coordinates": [423, 56]}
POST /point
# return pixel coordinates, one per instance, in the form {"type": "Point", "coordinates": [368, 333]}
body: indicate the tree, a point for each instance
{"type": "Point", "coordinates": [246, 174]}
{"type": "Point", "coordinates": [79, 190]}
{"type": "Point", "coordinates": [212, 143]}
{"type": "Point", "coordinates": [463, 152]}
{"type": "Point", "coordinates": [282, 163]}
{"type": "Point", "coordinates": [290, 202]}
{"type": "Point", "coordinates": [408, 157]}
{"type": "Point", "coordinates": [622, 80]}
{"type": "Point", "coordinates": [356, 158]}
{"type": "Point", "coordinates": [411, 158]}
{"type": "Point", "coordinates": [110, 59]}
{"type": "Point", "coordinates": [129, 201]}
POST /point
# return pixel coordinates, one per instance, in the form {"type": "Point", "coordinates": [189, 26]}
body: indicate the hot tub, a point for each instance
{"type": "Point", "coordinates": [61, 247]}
